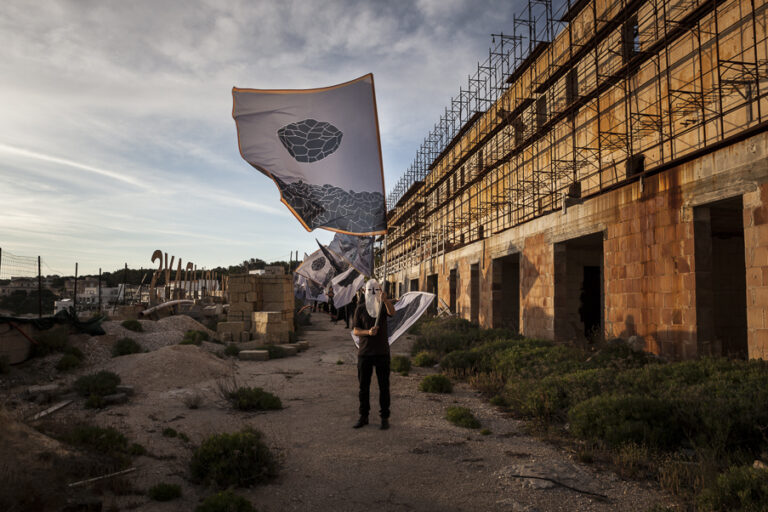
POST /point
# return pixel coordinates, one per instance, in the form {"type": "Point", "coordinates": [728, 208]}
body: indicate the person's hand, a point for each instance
{"type": "Point", "coordinates": [383, 295]}
{"type": "Point", "coordinates": [373, 330]}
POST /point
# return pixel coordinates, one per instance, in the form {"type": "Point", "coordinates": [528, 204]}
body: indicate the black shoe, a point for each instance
{"type": "Point", "coordinates": [384, 424]}
{"type": "Point", "coordinates": [363, 421]}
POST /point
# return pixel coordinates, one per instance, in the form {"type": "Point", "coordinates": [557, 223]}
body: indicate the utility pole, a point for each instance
{"type": "Point", "coordinates": [99, 290]}
{"type": "Point", "coordinates": [39, 290]}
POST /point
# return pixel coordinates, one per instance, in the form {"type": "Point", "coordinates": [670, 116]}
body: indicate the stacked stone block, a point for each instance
{"type": "Point", "coordinates": [260, 308]}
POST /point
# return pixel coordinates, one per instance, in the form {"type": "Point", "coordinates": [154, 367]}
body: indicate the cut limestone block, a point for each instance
{"type": "Point", "coordinates": [302, 345]}
{"type": "Point", "coordinates": [254, 355]}
{"type": "Point", "coordinates": [251, 297]}
{"type": "Point", "coordinates": [230, 327]}
{"type": "Point", "coordinates": [290, 350]}
{"type": "Point", "coordinates": [267, 316]}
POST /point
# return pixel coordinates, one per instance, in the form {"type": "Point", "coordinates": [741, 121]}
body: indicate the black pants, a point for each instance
{"type": "Point", "coordinates": [365, 366]}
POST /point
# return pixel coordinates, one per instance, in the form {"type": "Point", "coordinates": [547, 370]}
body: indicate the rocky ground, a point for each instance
{"type": "Point", "coordinates": [422, 463]}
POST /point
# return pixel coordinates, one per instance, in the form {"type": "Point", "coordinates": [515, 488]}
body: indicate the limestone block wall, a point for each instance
{"type": "Point", "coordinates": [260, 307]}
{"type": "Point", "coordinates": [756, 256]}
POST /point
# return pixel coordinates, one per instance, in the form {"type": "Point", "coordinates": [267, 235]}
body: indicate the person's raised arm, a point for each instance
{"type": "Point", "coordinates": [387, 303]}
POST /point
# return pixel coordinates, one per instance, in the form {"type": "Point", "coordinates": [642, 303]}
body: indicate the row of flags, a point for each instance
{"type": "Point", "coordinates": [321, 148]}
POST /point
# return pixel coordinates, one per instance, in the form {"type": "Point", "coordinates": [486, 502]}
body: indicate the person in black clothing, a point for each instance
{"type": "Point", "coordinates": [374, 350]}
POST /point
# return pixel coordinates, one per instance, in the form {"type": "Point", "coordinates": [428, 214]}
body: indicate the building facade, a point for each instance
{"type": "Point", "coordinates": [613, 181]}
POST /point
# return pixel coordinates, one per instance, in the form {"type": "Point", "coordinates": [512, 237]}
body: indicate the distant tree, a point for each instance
{"type": "Point", "coordinates": [22, 303]}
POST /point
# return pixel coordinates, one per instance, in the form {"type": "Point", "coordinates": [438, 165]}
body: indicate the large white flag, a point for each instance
{"type": "Point", "coordinates": [321, 148]}
{"type": "Point", "coordinates": [355, 250]}
{"type": "Point", "coordinates": [408, 309]}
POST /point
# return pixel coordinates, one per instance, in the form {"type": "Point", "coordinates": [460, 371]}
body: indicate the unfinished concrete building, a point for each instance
{"type": "Point", "coordinates": [604, 173]}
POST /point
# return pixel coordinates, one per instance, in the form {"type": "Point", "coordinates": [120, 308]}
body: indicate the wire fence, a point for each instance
{"type": "Point", "coordinates": [13, 265]}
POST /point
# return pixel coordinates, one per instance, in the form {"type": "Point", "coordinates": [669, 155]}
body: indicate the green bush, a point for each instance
{"type": "Point", "coordinates": [435, 384]}
{"type": "Point", "coordinates": [103, 441]}
{"type": "Point", "coordinates": [133, 325]}
{"type": "Point", "coordinates": [442, 336]}
{"type": "Point", "coordinates": [461, 417]}
{"type": "Point", "coordinates": [254, 399]}
{"type": "Point", "coordinates": [164, 492]}
{"type": "Point", "coordinates": [100, 384]}
{"type": "Point", "coordinates": [125, 346]}
{"type": "Point", "coordinates": [621, 419]}
{"type": "Point", "coordinates": [400, 364]}
{"type": "Point", "coordinates": [193, 337]}
{"type": "Point", "coordinates": [225, 501]}
{"type": "Point", "coordinates": [424, 359]}
{"type": "Point", "coordinates": [73, 351]}
{"type": "Point", "coordinates": [232, 350]}
{"type": "Point", "coordinates": [461, 362]}
{"type": "Point", "coordinates": [169, 432]}
{"type": "Point", "coordinates": [239, 459]}
{"type": "Point", "coordinates": [742, 489]}
{"type": "Point", "coordinates": [51, 340]}
{"type": "Point", "coordinates": [67, 362]}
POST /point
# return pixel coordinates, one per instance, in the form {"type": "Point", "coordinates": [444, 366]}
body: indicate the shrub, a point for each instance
{"type": "Point", "coordinates": [620, 419]}
{"type": "Point", "coordinates": [67, 362]}
{"type": "Point", "coordinates": [254, 399]}
{"type": "Point", "coordinates": [95, 402]}
{"type": "Point", "coordinates": [125, 346]}
{"type": "Point", "coordinates": [169, 432]}
{"type": "Point", "coordinates": [238, 459]}
{"type": "Point", "coordinates": [461, 362]}
{"type": "Point", "coordinates": [739, 489]}
{"type": "Point", "coordinates": [193, 337]}
{"type": "Point", "coordinates": [100, 384]}
{"type": "Point", "coordinates": [73, 351]}
{"type": "Point", "coordinates": [401, 364]}
{"type": "Point", "coordinates": [232, 350]}
{"type": "Point", "coordinates": [424, 359]}
{"type": "Point", "coordinates": [225, 501]}
{"type": "Point", "coordinates": [101, 440]}
{"type": "Point", "coordinates": [193, 400]}
{"type": "Point", "coordinates": [52, 340]}
{"type": "Point", "coordinates": [133, 325]}
{"type": "Point", "coordinates": [461, 417]}
{"type": "Point", "coordinates": [164, 492]}
{"type": "Point", "coordinates": [435, 384]}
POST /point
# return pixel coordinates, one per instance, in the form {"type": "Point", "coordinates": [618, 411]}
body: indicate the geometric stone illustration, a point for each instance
{"type": "Point", "coordinates": [318, 264]}
{"type": "Point", "coordinates": [333, 207]}
{"type": "Point", "coordinates": [309, 141]}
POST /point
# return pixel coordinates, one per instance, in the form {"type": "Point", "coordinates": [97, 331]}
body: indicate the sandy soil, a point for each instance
{"type": "Point", "coordinates": [423, 463]}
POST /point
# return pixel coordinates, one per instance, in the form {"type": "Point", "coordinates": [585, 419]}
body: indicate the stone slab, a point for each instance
{"type": "Point", "coordinates": [253, 355]}
{"type": "Point", "coordinates": [291, 350]}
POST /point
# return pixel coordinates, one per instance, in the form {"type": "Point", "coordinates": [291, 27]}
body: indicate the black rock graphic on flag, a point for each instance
{"type": "Point", "coordinates": [309, 140]}
{"type": "Point", "coordinates": [318, 264]}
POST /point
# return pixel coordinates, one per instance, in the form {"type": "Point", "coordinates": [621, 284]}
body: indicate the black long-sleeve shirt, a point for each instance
{"type": "Point", "coordinates": [372, 345]}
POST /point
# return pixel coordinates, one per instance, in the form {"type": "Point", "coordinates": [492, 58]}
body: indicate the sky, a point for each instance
{"type": "Point", "coordinates": [116, 129]}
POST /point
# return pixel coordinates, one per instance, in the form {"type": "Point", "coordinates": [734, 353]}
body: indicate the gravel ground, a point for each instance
{"type": "Point", "coordinates": [423, 463]}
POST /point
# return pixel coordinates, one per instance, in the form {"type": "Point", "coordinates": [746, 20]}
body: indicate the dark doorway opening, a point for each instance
{"type": "Point", "coordinates": [432, 288]}
{"type": "Point", "coordinates": [505, 292]}
{"type": "Point", "coordinates": [721, 283]}
{"type": "Point", "coordinates": [452, 290]}
{"type": "Point", "coordinates": [579, 289]}
{"type": "Point", "coordinates": [474, 293]}
{"type": "Point", "coordinates": [414, 285]}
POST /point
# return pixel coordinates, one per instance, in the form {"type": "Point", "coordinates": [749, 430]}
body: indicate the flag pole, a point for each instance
{"type": "Point", "coordinates": [385, 276]}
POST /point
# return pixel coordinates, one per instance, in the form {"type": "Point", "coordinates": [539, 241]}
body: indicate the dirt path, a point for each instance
{"type": "Point", "coordinates": [423, 463]}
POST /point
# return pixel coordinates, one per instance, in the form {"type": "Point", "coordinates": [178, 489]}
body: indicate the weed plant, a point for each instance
{"type": "Point", "coordinates": [51, 340]}
{"type": "Point", "coordinates": [239, 459]}
{"type": "Point", "coordinates": [254, 399]}
{"type": "Point", "coordinates": [105, 441]}
{"type": "Point", "coordinates": [193, 400]}
{"type": "Point", "coordinates": [225, 501]}
{"type": "Point", "coordinates": [169, 432]}
{"type": "Point", "coordinates": [461, 417]}
{"type": "Point", "coordinates": [101, 384]}
{"type": "Point", "coordinates": [164, 492]}
{"type": "Point", "coordinates": [125, 346]}
{"type": "Point", "coordinates": [193, 337]}
{"type": "Point", "coordinates": [424, 359]}
{"type": "Point", "coordinates": [741, 488]}
{"type": "Point", "coordinates": [68, 362]}
{"type": "Point", "coordinates": [435, 384]}
{"type": "Point", "coordinates": [232, 350]}
{"type": "Point", "coordinates": [400, 364]}
{"type": "Point", "coordinates": [133, 325]}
